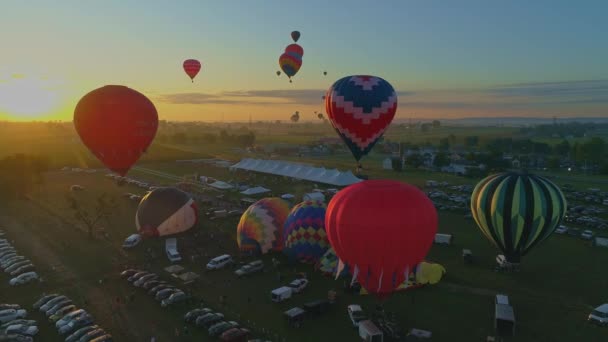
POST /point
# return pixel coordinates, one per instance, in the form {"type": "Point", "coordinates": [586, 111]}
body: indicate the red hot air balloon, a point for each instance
{"type": "Point", "coordinates": [117, 124]}
{"type": "Point", "coordinates": [382, 229]}
{"type": "Point", "coordinates": [192, 67]}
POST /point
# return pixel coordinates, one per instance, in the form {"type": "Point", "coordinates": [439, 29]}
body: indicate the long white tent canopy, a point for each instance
{"type": "Point", "coordinates": [298, 171]}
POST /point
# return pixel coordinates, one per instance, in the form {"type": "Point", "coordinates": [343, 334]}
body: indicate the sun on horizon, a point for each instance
{"type": "Point", "coordinates": [27, 97]}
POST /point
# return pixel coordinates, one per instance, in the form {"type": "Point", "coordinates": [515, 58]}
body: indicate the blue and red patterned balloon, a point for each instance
{"type": "Point", "coordinates": [360, 109]}
{"type": "Point", "coordinates": [304, 232]}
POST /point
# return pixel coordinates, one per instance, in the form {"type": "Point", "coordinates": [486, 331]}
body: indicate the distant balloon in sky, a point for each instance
{"type": "Point", "coordinates": [325, 73]}
{"type": "Point", "coordinates": [295, 35]}
{"type": "Point", "coordinates": [192, 67]}
{"type": "Point", "coordinates": [360, 109]}
{"type": "Point", "coordinates": [278, 73]}
{"type": "Point", "coordinates": [117, 124]}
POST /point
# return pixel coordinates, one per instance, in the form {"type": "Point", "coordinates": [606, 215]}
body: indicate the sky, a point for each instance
{"type": "Point", "coordinates": [445, 59]}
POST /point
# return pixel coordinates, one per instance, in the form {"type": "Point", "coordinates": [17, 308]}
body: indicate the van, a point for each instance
{"type": "Point", "coordinates": [219, 262]}
{"type": "Point", "coordinates": [443, 239]}
{"type": "Point", "coordinates": [281, 294]}
{"type": "Point", "coordinates": [171, 249]}
{"type": "Point", "coordinates": [369, 332]}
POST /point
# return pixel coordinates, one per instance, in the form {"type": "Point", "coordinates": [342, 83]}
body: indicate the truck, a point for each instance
{"type": "Point", "coordinates": [281, 294]}
{"type": "Point", "coordinates": [369, 332]}
{"type": "Point", "coordinates": [171, 250]}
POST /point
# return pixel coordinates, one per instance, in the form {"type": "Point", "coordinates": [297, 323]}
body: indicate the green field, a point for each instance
{"type": "Point", "coordinates": [560, 281]}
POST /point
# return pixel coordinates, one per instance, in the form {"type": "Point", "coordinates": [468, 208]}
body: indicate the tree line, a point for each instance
{"type": "Point", "coordinates": [19, 173]}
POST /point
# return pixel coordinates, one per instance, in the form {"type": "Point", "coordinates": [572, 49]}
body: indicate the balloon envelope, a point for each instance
{"type": "Point", "coordinates": [289, 64]}
{"type": "Point", "coordinates": [360, 109]}
{"type": "Point", "coordinates": [295, 35]}
{"type": "Point", "coordinates": [165, 211]}
{"type": "Point", "coordinates": [260, 229]}
{"type": "Point", "coordinates": [382, 229]}
{"type": "Point", "coordinates": [517, 211]}
{"type": "Point", "coordinates": [117, 124]}
{"type": "Point", "coordinates": [304, 233]}
{"type": "Point", "coordinates": [192, 67]}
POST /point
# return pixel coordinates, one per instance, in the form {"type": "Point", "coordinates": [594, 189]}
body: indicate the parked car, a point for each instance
{"type": "Point", "coordinates": [298, 285]}
{"type": "Point", "coordinates": [78, 334]}
{"type": "Point", "coordinates": [218, 328]}
{"type": "Point", "coordinates": [23, 278]}
{"type": "Point", "coordinates": [561, 229]}
{"type": "Point", "coordinates": [599, 315]}
{"type": "Point", "coordinates": [152, 283]}
{"type": "Point", "coordinates": [192, 315]}
{"type": "Point", "coordinates": [250, 268]}
{"type": "Point", "coordinates": [281, 294]}
{"type": "Point", "coordinates": [129, 272]}
{"type": "Point", "coordinates": [9, 306]}
{"type": "Point", "coordinates": [93, 334]}
{"type": "Point", "coordinates": [176, 297]}
{"type": "Point", "coordinates": [104, 338]}
{"type": "Point", "coordinates": [10, 259]}
{"type": "Point", "coordinates": [209, 319]}
{"type": "Point", "coordinates": [69, 317]}
{"type": "Point", "coordinates": [17, 338]}
{"type": "Point", "coordinates": [49, 304]}
{"type": "Point", "coordinates": [139, 282]}
{"type": "Point", "coordinates": [16, 265]}
{"type": "Point", "coordinates": [22, 329]}
{"type": "Point", "coordinates": [62, 312]}
{"type": "Point", "coordinates": [356, 314]}
{"type": "Point", "coordinates": [6, 255]}
{"type": "Point", "coordinates": [165, 293]}
{"type": "Point", "coordinates": [11, 314]}
{"type": "Point", "coordinates": [235, 334]}
{"type": "Point", "coordinates": [219, 262]}
{"type": "Point", "coordinates": [131, 241]}
{"type": "Point", "coordinates": [17, 321]}
{"type": "Point", "coordinates": [22, 269]}
{"type": "Point", "coordinates": [137, 275]}
{"type": "Point", "coordinates": [44, 299]}
{"type": "Point", "coordinates": [587, 235]}
{"type": "Point", "coordinates": [58, 306]}
{"type": "Point", "coordinates": [153, 291]}
{"type": "Point", "coordinates": [76, 323]}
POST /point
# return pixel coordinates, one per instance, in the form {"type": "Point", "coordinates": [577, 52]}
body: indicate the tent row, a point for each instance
{"type": "Point", "coordinates": [297, 171]}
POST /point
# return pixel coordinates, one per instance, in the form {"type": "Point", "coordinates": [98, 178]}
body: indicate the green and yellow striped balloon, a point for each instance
{"type": "Point", "coordinates": [517, 211]}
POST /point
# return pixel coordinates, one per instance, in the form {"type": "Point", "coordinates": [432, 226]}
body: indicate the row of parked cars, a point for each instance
{"type": "Point", "coordinates": [585, 234]}
{"type": "Point", "coordinates": [216, 326]}
{"type": "Point", "coordinates": [161, 290]}
{"type": "Point", "coordinates": [20, 268]}
{"type": "Point", "coordinates": [14, 326]}
{"type": "Point", "coordinates": [74, 323]}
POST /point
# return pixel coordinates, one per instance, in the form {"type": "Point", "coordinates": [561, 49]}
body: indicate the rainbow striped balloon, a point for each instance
{"type": "Point", "coordinates": [261, 226]}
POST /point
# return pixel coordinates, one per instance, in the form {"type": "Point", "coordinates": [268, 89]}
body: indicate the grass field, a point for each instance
{"type": "Point", "coordinates": [558, 285]}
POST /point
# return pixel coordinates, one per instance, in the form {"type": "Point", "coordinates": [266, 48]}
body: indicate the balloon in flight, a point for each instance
{"type": "Point", "coordinates": [117, 124]}
{"type": "Point", "coordinates": [295, 35]}
{"type": "Point", "coordinates": [382, 229]}
{"type": "Point", "coordinates": [192, 67]}
{"type": "Point", "coordinates": [360, 109]}
{"type": "Point", "coordinates": [517, 211]}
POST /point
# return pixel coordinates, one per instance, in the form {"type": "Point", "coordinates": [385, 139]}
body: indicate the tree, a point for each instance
{"type": "Point", "coordinates": [436, 123]}
{"type": "Point", "coordinates": [425, 127]}
{"type": "Point", "coordinates": [415, 160]}
{"type": "Point", "coordinates": [471, 141]}
{"type": "Point", "coordinates": [444, 144]}
{"type": "Point", "coordinates": [91, 218]}
{"type": "Point", "coordinates": [441, 159]}
{"type": "Point", "coordinates": [562, 149]}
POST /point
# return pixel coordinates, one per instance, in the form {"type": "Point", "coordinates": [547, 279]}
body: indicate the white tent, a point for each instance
{"type": "Point", "coordinates": [221, 185]}
{"type": "Point", "coordinates": [298, 171]}
{"type": "Point", "coordinates": [255, 191]}
{"type": "Point", "coordinates": [387, 164]}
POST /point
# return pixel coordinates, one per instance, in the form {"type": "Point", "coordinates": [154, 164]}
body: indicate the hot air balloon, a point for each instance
{"type": "Point", "coordinates": [328, 264]}
{"type": "Point", "coordinates": [165, 211]}
{"type": "Point", "coordinates": [295, 35]}
{"type": "Point", "coordinates": [517, 211]}
{"type": "Point", "coordinates": [381, 229]}
{"type": "Point", "coordinates": [320, 116]}
{"type": "Point", "coordinates": [260, 229]}
{"type": "Point", "coordinates": [360, 109]}
{"type": "Point", "coordinates": [295, 51]}
{"type": "Point", "coordinates": [278, 73]}
{"type": "Point", "coordinates": [324, 73]}
{"type": "Point", "coordinates": [304, 233]}
{"type": "Point", "coordinates": [295, 118]}
{"type": "Point", "coordinates": [117, 124]}
{"type": "Point", "coordinates": [192, 67]}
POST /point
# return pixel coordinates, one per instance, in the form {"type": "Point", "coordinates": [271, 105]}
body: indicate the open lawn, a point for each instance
{"type": "Point", "coordinates": [558, 285]}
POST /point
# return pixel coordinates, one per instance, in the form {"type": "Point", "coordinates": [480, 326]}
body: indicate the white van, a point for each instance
{"type": "Point", "coordinates": [443, 239]}
{"type": "Point", "coordinates": [11, 315]}
{"type": "Point", "coordinates": [281, 294]}
{"type": "Point", "coordinates": [314, 196]}
{"type": "Point", "coordinates": [171, 249]}
{"type": "Point", "coordinates": [369, 332]}
{"type": "Point", "coordinates": [219, 262]}
{"type": "Point", "coordinates": [131, 241]}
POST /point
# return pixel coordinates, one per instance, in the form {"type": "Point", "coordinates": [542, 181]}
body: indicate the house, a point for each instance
{"type": "Point", "coordinates": [387, 164]}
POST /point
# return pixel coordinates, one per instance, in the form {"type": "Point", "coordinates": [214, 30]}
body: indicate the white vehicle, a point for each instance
{"type": "Point", "coordinates": [281, 294]}
{"type": "Point", "coordinates": [219, 262]}
{"type": "Point", "coordinates": [174, 298]}
{"type": "Point", "coordinates": [502, 299]}
{"type": "Point", "coordinates": [43, 300]}
{"type": "Point", "coordinates": [22, 329]}
{"type": "Point", "coordinates": [369, 332]}
{"type": "Point", "coordinates": [23, 278]}
{"type": "Point", "coordinates": [6, 252]}
{"type": "Point", "coordinates": [68, 317]}
{"type": "Point", "coordinates": [171, 249]}
{"type": "Point", "coordinates": [587, 234]}
{"type": "Point", "coordinates": [298, 285]}
{"type": "Point", "coordinates": [16, 265]}
{"type": "Point", "coordinates": [139, 282]}
{"type": "Point", "coordinates": [17, 321]}
{"type": "Point", "coordinates": [11, 261]}
{"type": "Point", "coordinates": [11, 315]}
{"type": "Point", "coordinates": [131, 241]}
{"type": "Point", "coordinates": [561, 229]}
{"type": "Point", "coordinates": [356, 314]}
{"type": "Point", "coordinates": [76, 324]}
{"type": "Point", "coordinates": [443, 239]}
{"type": "Point", "coordinates": [52, 303]}
{"type": "Point", "coordinates": [22, 269]}
{"type": "Point", "coordinates": [599, 315]}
